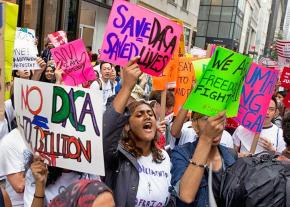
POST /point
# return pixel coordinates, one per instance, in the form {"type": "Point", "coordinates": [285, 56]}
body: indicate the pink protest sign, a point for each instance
{"type": "Point", "coordinates": [133, 30]}
{"type": "Point", "coordinates": [75, 62]}
{"type": "Point", "coordinates": [257, 91]}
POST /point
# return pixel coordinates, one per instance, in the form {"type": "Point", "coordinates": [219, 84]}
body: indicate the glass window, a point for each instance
{"type": "Point", "coordinates": [184, 4]}
{"type": "Point", "coordinates": [186, 36]}
{"type": "Point", "coordinates": [88, 14]}
{"type": "Point", "coordinates": [203, 12]}
{"type": "Point", "coordinates": [201, 28]}
{"type": "Point", "coordinates": [30, 14]}
{"type": "Point", "coordinates": [70, 19]}
{"type": "Point", "coordinates": [49, 17]}
{"type": "Point", "coordinates": [216, 2]}
{"type": "Point", "coordinates": [212, 29]}
{"type": "Point", "coordinates": [226, 14]}
{"type": "Point", "coordinates": [224, 30]}
{"type": "Point", "coordinates": [200, 42]}
{"type": "Point", "coordinates": [228, 2]}
{"type": "Point", "coordinates": [215, 12]}
{"type": "Point", "coordinates": [87, 36]}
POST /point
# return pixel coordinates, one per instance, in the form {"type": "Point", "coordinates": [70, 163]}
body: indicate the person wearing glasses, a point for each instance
{"type": "Point", "coordinates": [189, 162]}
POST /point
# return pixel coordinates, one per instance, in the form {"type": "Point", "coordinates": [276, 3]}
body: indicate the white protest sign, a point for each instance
{"type": "Point", "coordinates": [62, 123]}
{"type": "Point", "coordinates": [25, 50]}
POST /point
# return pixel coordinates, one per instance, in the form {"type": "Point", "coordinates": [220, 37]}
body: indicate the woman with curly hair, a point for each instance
{"type": "Point", "coordinates": [137, 171]}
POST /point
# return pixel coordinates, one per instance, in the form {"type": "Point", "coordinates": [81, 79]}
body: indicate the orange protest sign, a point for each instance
{"type": "Point", "coordinates": [184, 81]}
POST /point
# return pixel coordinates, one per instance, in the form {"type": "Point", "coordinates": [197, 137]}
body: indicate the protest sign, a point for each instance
{"type": "Point", "coordinates": [286, 100]}
{"type": "Point", "coordinates": [75, 62]}
{"type": "Point", "coordinates": [257, 91]}
{"type": "Point", "coordinates": [62, 123]}
{"type": "Point", "coordinates": [199, 67]}
{"type": "Point", "coordinates": [2, 71]}
{"type": "Point", "coordinates": [58, 38]}
{"type": "Point", "coordinates": [220, 85]}
{"type": "Point", "coordinates": [10, 21]}
{"type": "Point", "coordinates": [184, 82]}
{"type": "Point", "coordinates": [25, 50]}
{"type": "Point", "coordinates": [285, 78]}
{"type": "Point", "coordinates": [136, 31]}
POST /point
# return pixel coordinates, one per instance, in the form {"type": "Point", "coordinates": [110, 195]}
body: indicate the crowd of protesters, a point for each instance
{"type": "Point", "coordinates": [148, 161]}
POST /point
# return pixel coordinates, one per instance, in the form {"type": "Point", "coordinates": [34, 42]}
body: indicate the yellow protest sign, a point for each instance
{"type": "Point", "coordinates": [10, 12]}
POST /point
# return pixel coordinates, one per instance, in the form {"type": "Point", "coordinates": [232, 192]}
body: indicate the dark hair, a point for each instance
{"type": "Point", "coordinates": [102, 63]}
{"type": "Point", "coordinates": [43, 77]}
{"type": "Point", "coordinates": [282, 93]}
{"type": "Point", "coordinates": [286, 129]}
{"type": "Point", "coordinates": [129, 143]}
{"type": "Point", "coordinates": [17, 76]}
{"type": "Point", "coordinates": [94, 57]}
{"type": "Point", "coordinates": [89, 47]}
{"type": "Point", "coordinates": [275, 100]}
{"type": "Point", "coordinates": [54, 173]}
{"type": "Point", "coordinates": [156, 95]}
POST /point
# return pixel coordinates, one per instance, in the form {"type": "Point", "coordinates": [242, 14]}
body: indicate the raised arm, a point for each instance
{"type": "Point", "coordinates": [190, 179]}
{"type": "Point", "coordinates": [178, 123]}
{"type": "Point", "coordinates": [114, 120]}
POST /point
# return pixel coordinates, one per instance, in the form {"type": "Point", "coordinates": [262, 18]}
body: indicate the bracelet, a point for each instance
{"type": "Point", "coordinates": [41, 197]}
{"type": "Point", "coordinates": [198, 165]}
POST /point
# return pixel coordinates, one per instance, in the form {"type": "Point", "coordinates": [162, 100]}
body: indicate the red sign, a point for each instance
{"type": "Point", "coordinates": [285, 78]}
{"type": "Point", "coordinates": [286, 101]}
{"type": "Point", "coordinates": [58, 38]}
{"type": "Point", "coordinates": [231, 123]}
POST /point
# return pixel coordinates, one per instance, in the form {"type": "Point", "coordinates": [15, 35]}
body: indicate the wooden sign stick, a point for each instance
{"type": "Point", "coordinates": [255, 143]}
{"type": "Point", "coordinates": [163, 104]}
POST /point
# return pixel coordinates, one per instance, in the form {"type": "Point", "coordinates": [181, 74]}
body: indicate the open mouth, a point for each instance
{"type": "Point", "coordinates": [147, 127]}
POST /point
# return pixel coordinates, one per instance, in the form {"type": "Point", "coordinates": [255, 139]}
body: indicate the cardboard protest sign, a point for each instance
{"type": "Point", "coordinates": [10, 21]}
{"type": "Point", "coordinates": [133, 30]}
{"type": "Point", "coordinates": [184, 82]}
{"type": "Point", "coordinates": [58, 38]}
{"type": "Point", "coordinates": [75, 62]}
{"type": "Point", "coordinates": [2, 71]}
{"type": "Point", "coordinates": [25, 50]}
{"type": "Point", "coordinates": [257, 91]}
{"type": "Point", "coordinates": [285, 78]}
{"type": "Point", "coordinates": [62, 123]}
{"type": "Point", "coordinates": [220, 85]}
{"type": "Point", "coordinates": [199, 67]}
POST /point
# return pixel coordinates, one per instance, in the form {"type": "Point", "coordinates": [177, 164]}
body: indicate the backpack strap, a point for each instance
{"type": "Point", "coordinates": [287, 191]}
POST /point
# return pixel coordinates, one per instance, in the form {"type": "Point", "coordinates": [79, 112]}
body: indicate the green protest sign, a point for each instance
{"type": "Point", "coordinates": [220, 85]}
{"type": "Point", "coordinates": [199, 67]}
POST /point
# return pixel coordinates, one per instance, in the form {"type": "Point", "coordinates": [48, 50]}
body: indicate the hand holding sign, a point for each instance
{"type": "Point", "coordinates": [220, 85]}
{"type": "Point", "coordinates": [133, 30]}
{"type": "Point", "coordinates": [75, 62]}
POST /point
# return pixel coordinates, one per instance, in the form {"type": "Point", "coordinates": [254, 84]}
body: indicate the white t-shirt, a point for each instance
{"type": "Point", "coordinates": [154, 181]}
{"type": "Point", "coordinates": [15, 157]}
{"type": "Point", "coordinates": [52, 190]}
{"type": "Point", "coordinates": [10, 115]}
{"type": "Point", "coordinates": [107, 90]}
{"type": "Point", "coordinates": [188, 134]}
{"type": "Point", "coordinates": [243, 138]}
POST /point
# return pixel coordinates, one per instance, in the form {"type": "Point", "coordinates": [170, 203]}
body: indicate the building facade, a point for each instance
{"type": "Point", "coordinates": [219, 22]}
{"type": "Point", "coordinates": [286, 26]}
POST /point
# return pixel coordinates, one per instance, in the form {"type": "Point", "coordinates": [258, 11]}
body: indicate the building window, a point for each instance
{"type": "Point", "coordinates": [184, 4]}
{"type": "Point", "coordinates": [201, 28]}
{"type": "Point", "coordinates": [216, 2]}
{"type": "Point", "coordinates": [200, 42]}
{"type": "Point", "coordinates": [227, 14]}
{"type": "Point", "coordinates": [224, 30]}
{"type": "Point", "coordinates": [203, 12]}
{"type": "Point", "coordinates": [212, 29]}
{"type": "Point", "coordinates": [215, 13]}
{"type": "Point", "coordinates": [186, 36]}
